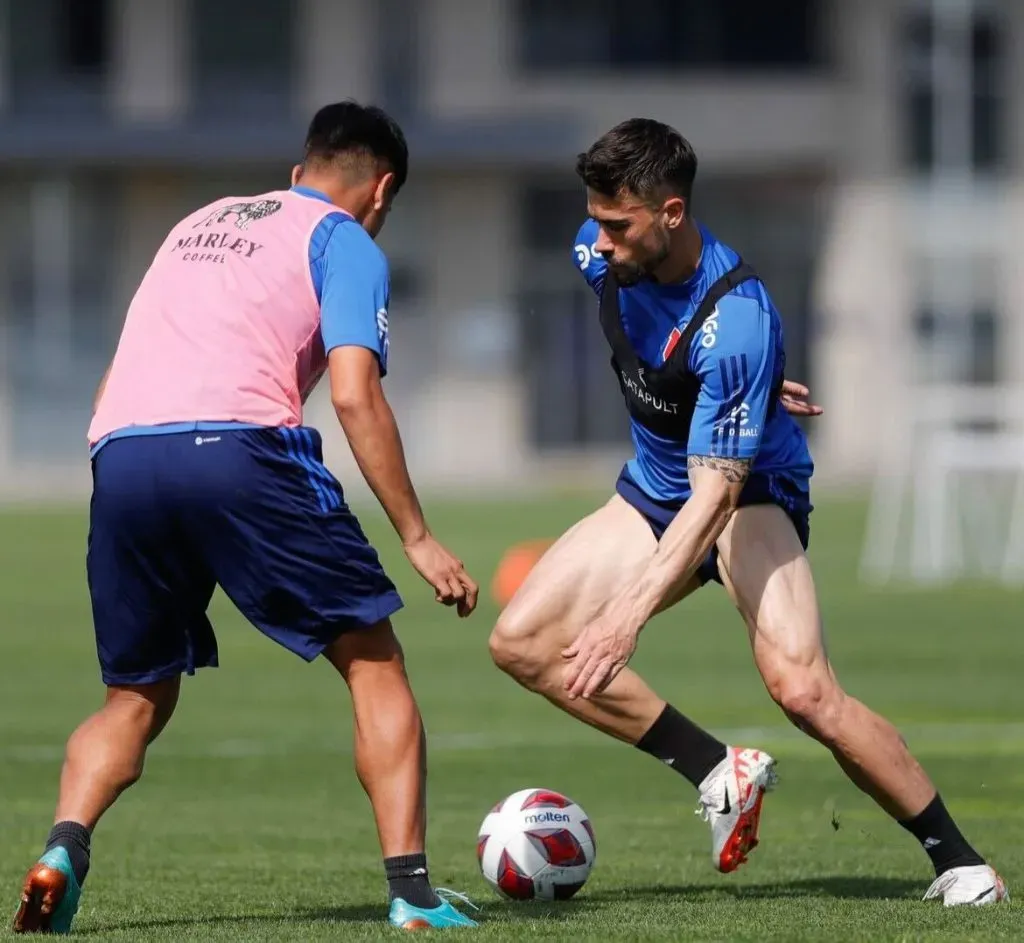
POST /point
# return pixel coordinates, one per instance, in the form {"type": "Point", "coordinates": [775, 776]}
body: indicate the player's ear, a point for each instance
{"type": "Point", "coordinates": [296, 174]}
{"type": "Point", "coordinates": [674, 212]}
{"type": "Point", "coordinates": [383, 192]}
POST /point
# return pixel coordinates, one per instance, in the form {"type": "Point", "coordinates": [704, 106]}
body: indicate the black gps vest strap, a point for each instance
{"type": "Point", "coordinates": [663, 398]}
{"type": "Point", "coordinates": [719, 289]}
{"type": "Point", "coordinates": [611, 319]}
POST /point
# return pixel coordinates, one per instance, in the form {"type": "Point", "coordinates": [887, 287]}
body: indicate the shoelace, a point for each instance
{"type": "Point", "coordinates": [448, 895]}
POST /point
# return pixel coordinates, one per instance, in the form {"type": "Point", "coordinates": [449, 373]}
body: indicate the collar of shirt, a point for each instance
{"type": "Point", "coordinates": [310, 192]}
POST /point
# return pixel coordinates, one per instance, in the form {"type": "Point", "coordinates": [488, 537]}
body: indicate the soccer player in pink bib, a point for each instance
{"type": "Point", "coordinates": [204, 475]}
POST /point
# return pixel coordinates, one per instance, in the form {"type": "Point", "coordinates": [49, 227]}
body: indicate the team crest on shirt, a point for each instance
{"type": "Point", "coordinates": [244, 213]}
{"type": "Point", "coordinates": [670, 343]}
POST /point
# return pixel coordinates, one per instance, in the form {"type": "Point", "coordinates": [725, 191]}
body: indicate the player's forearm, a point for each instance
{"type": "Point", "coordinates": [377, 447]}
{"type": "Point", "coordinates": [683, 547]}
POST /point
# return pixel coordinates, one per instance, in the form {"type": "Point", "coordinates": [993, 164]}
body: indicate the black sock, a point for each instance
{"type": "Point", "coordinates": [407, 878]}
{"type": "Point", "coordinates": [681, 744]}
{"type": "Point", "coordinates": [935, 829]}
{"type": "Point", "coordinates": [75, 840]}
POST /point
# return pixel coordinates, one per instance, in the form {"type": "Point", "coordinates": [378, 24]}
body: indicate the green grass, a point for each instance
{"type": "Point", "coordinates": [249, 823]}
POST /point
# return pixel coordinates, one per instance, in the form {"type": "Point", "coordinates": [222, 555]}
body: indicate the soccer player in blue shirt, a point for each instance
{"type": "Point", "coordinates": [717, 489]}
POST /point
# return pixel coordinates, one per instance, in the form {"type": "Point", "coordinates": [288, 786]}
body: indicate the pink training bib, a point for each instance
{"type": "Point", "coordinates": [225, 326]}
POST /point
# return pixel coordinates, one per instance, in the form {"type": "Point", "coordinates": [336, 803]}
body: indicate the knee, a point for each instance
{"type": "Point", "coordinates": [811, 700]}
{"type": "Point", "coordinates": [145, 709]}
{"type": "Point", "coordinates": [516, 649]}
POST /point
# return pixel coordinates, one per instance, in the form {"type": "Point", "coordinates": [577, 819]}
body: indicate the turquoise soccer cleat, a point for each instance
{"type": "Point", "coordinates": [49, 896]}
{"type": "Point", "coordinates": [406, 917]}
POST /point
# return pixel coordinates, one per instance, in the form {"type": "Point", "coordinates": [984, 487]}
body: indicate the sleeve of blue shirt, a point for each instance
{"type": "Point", "coordinates": [586, 258]}
{"type": "Point", "coordinates": [734, 356]}
{"type": "Point", "coordinates": [352, 283]}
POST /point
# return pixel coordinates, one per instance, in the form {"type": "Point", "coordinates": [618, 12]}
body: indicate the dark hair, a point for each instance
{"type": "Point", "coordinates": [642, 157]}
{"type": "Point", "coordinates": [350, 129]}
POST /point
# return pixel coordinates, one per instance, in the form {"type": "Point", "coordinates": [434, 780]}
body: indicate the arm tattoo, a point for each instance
{"type": "Point", "coordinates": [734, 470]}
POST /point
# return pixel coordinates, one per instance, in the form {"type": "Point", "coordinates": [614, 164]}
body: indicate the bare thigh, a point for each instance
{"type": "Point", "coordinates": [582, 572]}
{"type": "Point", "coordinates": [768, 576]}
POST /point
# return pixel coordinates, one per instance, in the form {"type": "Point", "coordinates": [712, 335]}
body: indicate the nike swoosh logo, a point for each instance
{"type": "Point", "coordinates": [984, 893]}
{"type": "Point", "coordinates": [726, 807]}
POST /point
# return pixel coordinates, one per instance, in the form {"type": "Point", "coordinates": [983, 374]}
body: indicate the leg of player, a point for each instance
{"type": "Point", "coordinates": [577, 577]}
{"type": "Point", "coordinates": [766, 572]}
{"type": "Point", "coordinates": [104, 757]}
{"type": "Point", "coordinates": [390, 756]}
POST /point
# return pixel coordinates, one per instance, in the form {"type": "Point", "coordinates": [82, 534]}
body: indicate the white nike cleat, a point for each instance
{"type": "Point", "coordinates": [973, 886]}
{"type": "Point", "coordinates": [730, 800]}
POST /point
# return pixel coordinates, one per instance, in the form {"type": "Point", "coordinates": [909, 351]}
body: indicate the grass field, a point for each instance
{"type": "Point", "coordinates": [249, 823]}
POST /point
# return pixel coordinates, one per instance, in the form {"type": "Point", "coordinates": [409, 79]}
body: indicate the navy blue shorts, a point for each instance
{"type": "Point", "coordinates": [253, 510]}
{"type": "Point", "coordinates": [759, 489]}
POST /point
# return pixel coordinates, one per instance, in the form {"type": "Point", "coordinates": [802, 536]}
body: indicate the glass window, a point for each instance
{"type": "Point", "coordinates": [573, 397]}
{"type": "Point", "coordinates": [956, 327]}
{"type": "Point", "coordinates": [399, 28]}
{"type": "Point", "coordinates": [243, 58]}
{"type": "Point", "coordinates": [60, 250]}
{"type": "Point", "coordinates": [957, 347]}
{"type": "Point", "coordinates": [987, 64]}
{"type": "Point", "coordinates": [60, 55]}
{"type": "Point", "coordinates": [956, 124]}
{"type": "Point", "coordinates": [668, 34]}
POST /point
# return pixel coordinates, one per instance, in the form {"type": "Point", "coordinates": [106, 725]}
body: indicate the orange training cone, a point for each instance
{"type": "Point", "coordinates": [513, 568]}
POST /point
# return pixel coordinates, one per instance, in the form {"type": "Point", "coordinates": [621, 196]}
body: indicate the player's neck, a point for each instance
{"type": "Point", "coordinates": [354, 200]}
{"type": "Point", "coordinates": [683, 257]}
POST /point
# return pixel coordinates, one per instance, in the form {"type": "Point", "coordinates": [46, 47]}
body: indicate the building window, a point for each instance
{"type": "Point", "coordinates": [243, 58]}
{"type": "Point", "coordinates": [956, 327]}
{"type": "Point", "coordinates": [574, 399]}
{"type": "Point", "coordinates": [957, 348]}
{"type": "Point", "coordinates": [954, 63]}
{"type": "Point", "coordinates": [58, 283]}
{"type": "Point", "coordinates": [399, 29]}
{"type": "Point", "coordinates": [60, 56]}
{"type": "Point", "coordinates": [635, 35]}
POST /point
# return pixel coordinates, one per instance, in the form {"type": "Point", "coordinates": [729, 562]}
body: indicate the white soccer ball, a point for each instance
{"type": "Point", "coordinates": [536, 845]}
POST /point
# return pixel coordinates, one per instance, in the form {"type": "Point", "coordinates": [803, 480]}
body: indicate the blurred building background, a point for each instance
{"type": "Point", "coordinates": [867, 157]}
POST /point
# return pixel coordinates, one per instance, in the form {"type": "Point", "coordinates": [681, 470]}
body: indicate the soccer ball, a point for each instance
{"type": "Point", "coordinates": [536, 845]}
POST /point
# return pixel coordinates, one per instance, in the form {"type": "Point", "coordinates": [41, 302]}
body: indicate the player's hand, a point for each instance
{"type": "Point", "coordinates": [599, 653]}
{"type": "Point", "coordinates": [453, 586]}
{"type": "Point", "coordinates": [794, 398]}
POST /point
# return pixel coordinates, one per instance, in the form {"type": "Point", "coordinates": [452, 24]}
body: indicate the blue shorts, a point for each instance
{"type": "Point", "coordinates": [759, 489]}
{"type": "Point", "coordinates": [253, 510]}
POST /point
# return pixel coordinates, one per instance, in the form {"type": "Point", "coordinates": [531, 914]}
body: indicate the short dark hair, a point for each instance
{"type": "Point", "coordinates": [641, 156]}
{"type": "Point", "coordinates": [349, 129]}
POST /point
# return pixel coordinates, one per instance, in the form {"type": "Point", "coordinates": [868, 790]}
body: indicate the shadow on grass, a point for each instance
{"type": "Point", "coordinates": [356, 913]}
{"type": "Point", "coordinates": [836, 887]}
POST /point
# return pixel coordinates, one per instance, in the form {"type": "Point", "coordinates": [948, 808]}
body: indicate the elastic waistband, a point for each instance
{"type": "Point", "coordinates": [170, 428]}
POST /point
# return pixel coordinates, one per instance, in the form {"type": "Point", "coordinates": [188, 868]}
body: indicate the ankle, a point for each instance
{"type": "Point", "coordinates": [409, 880]}
{"type": "Point", "coordinates": [940, 838]}
{"type": "Point", "coordinates": [76, 840]}
{"type": "Point", "coordinates": [679, 743]}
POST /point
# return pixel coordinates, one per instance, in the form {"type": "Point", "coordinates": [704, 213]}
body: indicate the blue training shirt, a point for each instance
{"type": "Point", "coordinates": [737, 355]}
{"type": "Point", "coordinates": [352, 284]}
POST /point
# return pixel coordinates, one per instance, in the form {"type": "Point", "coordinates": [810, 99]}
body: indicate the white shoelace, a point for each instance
{"type": "Point", "coordinates": [448, 895]}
